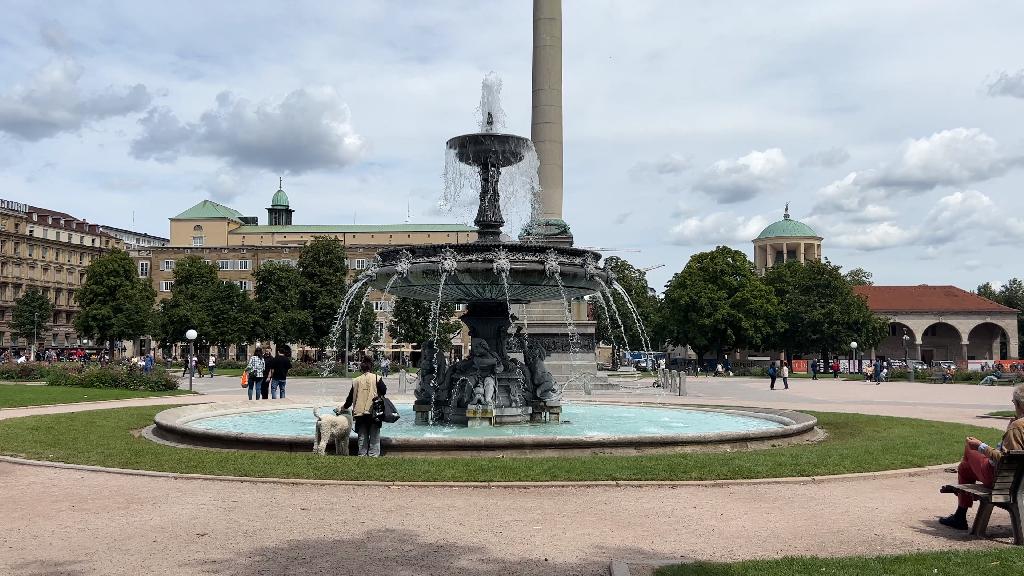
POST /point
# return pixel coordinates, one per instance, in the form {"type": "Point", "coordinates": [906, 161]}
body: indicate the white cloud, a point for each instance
{"type": "Point", "coordinates": [947, 158]}
{"type": "Point", "coordinates": [716, 228]}
{"type": "Point", "coordinates": [225, 185]}
{"type": "Point", "coordinates": [962, 214]}
{"type": "Point", "coordinates": [1008, 85]}
{"type": "Point", "coordinates": [52, 102]}
{"type": "Point", "coordinates": [730, 181]}
{"type": "Point", "coordinates": [309, 129]}
{"type": "Point", "coordinates": [830, 158]}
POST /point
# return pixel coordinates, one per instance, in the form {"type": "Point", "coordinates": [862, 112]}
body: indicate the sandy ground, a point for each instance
{"type": "Point", "coordinates": [72, 522]}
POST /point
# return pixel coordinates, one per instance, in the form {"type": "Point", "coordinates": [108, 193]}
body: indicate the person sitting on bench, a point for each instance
{"type": "Point", "coordinates": [979, 461]}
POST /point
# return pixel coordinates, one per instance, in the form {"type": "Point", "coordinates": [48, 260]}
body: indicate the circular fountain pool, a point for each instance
{"type": "Point", "coordinates": [289, 426]}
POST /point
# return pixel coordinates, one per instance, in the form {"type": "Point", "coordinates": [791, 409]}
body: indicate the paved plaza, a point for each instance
{"type": "Point", "coordinates": [102, 523]}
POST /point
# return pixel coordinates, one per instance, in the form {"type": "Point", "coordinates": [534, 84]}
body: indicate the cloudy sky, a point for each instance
{"type": "Point", "coordinates": [895, 129]}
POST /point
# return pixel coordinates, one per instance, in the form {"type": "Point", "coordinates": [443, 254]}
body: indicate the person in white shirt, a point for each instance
{"type": "Point", "coordinates": [785, 375]}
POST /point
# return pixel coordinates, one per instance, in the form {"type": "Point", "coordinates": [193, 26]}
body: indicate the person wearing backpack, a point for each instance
{"type": "Point", "coordinates": [772, 373]}
{"type": "Point", "coordinates": [365, 388]}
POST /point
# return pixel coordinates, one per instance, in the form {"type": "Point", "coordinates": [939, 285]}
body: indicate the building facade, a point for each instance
{"type": "Point", "coordinates": [135, 240]}
{"type": "Point", "coordinates": [237, 245]}
{"type": "Point", "coordinates": [784, 241]}
{"type": "Point", "coordinates": [48, 250]}
{"type": "Point", "coordinates": [942, 323]}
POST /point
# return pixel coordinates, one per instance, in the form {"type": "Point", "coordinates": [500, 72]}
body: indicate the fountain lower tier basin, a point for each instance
{"type": "Point", "coordinates": [470, 274]}
{"type": "Point", "coordinates": [589, 427]}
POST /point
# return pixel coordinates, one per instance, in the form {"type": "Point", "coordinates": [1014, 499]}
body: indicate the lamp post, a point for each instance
{"type": "Point", "coordinates": [906, 354]}
{"type": "Point", "coordinates": [35, 334]}
{"type": "Point", "coordinates": [853, 348]}
{"type": "Point", "coordinates": [191, 336]}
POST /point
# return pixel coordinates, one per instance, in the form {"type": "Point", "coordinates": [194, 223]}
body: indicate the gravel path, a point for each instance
{"type": "Point", "coordinates": [65, 522]}
{"type": "Point", "coordinates": [74, 522]}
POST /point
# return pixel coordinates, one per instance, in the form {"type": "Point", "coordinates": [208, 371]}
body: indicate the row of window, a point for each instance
{"type": "Point", "coordinates": [60, 234]}
{"type": "Point", "coordinates": [45, 272]}
{"type": "Point", "coordinates": [166, 285]}
{"type": "Point", "coordinates": [59, 297]}
{"type": "Point", "coordinates": [168, 265]}
{"type": "Point", "coordinates": [45, 253]}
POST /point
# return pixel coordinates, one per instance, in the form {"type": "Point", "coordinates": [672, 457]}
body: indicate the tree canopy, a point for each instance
{"type": "Point", "coordinates": [115, 303]}
{"type": "Point", "coordinates": [220, 312]}
{"type": "Point", "coordinates": [1009, 294]}
{"type": "Point", "coordinates": [410, 322]}
{"type": "Point", "coordinates": [277, 299]}
{"type": "Point", "coordinates": [717, 302]}
{"type": "Point", "coordinates": [323, 270]}
{"type": "Point", "coordinates": [31, 316]}
{"type": "Point", "coordinates": [818, 309]}
{"type": "Point", "coordinates": [858, 277]}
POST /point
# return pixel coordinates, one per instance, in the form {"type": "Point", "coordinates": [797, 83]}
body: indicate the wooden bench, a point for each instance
{"type": "Point", "coordinates": [1007, 493]}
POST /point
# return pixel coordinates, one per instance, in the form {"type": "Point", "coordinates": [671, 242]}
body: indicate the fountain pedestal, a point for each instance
{"type": "Point", "coordinates": [422, 412]}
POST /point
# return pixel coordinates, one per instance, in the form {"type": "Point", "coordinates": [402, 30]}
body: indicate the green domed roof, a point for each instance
{"type": "Point", "coordinates": [280, 198]}
{"type": "Point", "coordinates": [787, 227]}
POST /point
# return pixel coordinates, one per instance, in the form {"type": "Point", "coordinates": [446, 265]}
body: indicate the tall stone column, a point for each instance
{"type": "Point", "coordinates": [546, 122]}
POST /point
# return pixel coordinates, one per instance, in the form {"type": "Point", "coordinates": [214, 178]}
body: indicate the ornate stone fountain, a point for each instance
{"type": "Point", "coordinates": [504, 379]}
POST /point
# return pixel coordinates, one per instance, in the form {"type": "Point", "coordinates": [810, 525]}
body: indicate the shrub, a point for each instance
{"type": "Point", "coordinates": [127, 378]}
{"type": "Point", "coordinates": [27, 372]}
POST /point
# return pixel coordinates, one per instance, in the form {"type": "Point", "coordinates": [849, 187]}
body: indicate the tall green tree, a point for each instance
{"type": "Point", "coordinates": [819, 310]}
{"type": "Point", "coordinates": [115, 303]}
{"type": "Point", "coordinates": [634, 283]}
{"type": "Point", "coordinates": [324, 272]}
{"type": "Point", "coordinates": [717, 303]}
{"type": "Point", "coordinates": [277, 297]}
{"type": "Point", "coordinates": [410, 322]}
{"type": "Point", "coordinates": [31, 316]}
{"type": "Point", "coordinates": [858, 277]}
{"type": "Point", "coordinates": [234, 316]}
{"type": "Point", "coordinates": [1009, 294]}
{"type": "Point", "coordinates": [365, 326]}
{"type": "Point", "coordinates": [190, 304]}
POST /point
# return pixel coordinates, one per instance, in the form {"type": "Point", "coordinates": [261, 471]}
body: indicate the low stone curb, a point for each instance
{"type": "Point", "coordinates": [909, 472]}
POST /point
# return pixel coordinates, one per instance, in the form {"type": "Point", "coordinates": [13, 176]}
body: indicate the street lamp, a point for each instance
{"type": "Point", "coordinates": [906, 354]}
{"type": "Point", "coordinates": [35, 334]}
{"type": "Point", "coordinates": [191, 335]}
{"type": "Point", "coordinates": [853, 348]}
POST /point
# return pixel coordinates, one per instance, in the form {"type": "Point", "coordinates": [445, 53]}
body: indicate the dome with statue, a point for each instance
{"type": "Point", "coordinates": [785, 240]}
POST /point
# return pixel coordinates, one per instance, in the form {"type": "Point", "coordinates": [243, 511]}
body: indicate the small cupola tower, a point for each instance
{"type": "Point", "coordinates": [279, 214]}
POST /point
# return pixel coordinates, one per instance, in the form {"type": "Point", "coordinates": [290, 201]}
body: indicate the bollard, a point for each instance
{"type": "Point", "coordinates": [682, 384]}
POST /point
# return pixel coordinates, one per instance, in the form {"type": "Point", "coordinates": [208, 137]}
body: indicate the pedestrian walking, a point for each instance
{"type": "Point", "coordinates": [385, 367]}
{"type": "Point", "coordinates": [835, 368]}
{"type": "Point", "coordinates": [785, 375]}
{"type": "Point", "coordinates": [773, 374]}
{"type": "Point", "coordinates": [212, 364]}
{"type": "Point", "coordinates": [268, 358]}
{"type": "Point", "coordinates": [814, 369]}
{"type": "Point", "coordinates": [255, 368]}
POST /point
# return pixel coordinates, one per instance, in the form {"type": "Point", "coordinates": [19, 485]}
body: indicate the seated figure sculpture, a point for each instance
{"type": "Point", "coordinates": [432, 363]}
{"type": "Point", "coordinates": [544, 386]}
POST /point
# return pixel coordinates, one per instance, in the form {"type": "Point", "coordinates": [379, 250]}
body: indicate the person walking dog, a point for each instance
{"type": "Point", "coordinates": [365, 388]}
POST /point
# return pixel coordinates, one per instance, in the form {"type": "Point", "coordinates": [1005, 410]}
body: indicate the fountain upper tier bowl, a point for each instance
{"type": "Point", "coordinates": [480, 149]}
{"type": "Point", "coordinates": [473, 272]}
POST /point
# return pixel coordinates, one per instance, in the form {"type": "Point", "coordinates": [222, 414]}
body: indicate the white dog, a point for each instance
{"type": "Point", "coordinates": [336, 427]}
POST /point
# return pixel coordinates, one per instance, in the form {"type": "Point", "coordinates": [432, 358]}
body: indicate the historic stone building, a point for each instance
{"type": "Point", "coordinates": [48, 250]}
{"type": "Point", "coordinates": [784, 241]}
{"type": "Point", "coordinates": [238, 245]}
{"type": "Point", "coordinates": [942, 323]}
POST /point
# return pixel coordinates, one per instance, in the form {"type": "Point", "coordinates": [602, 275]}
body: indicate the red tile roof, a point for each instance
{"type": "Point", "coordinates": [926, 298]}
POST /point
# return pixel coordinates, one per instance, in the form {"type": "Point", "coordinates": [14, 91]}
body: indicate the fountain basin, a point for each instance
{"type": "Point", "coordinates": [473, 278]}
{"type": "Point", "coordinates": [586, 427]}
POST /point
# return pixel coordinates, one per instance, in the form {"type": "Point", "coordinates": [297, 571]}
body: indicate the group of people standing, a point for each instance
{"type": "Point", "coordinates": [267, 373]}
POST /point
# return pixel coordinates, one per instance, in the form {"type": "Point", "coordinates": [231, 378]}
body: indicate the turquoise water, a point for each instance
{"type": "Point", "coordinates": [577, 420]}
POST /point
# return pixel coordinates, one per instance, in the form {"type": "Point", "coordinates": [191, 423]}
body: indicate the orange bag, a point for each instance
{"type": "Point", "coordinates": [245, 379]}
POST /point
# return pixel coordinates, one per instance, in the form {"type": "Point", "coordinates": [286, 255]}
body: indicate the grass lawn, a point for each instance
{"type": "Point", "coordinates": [856, 443]}
{"type": "Point", "coordinates": [1002, 413]}
{"type": "Point", "coordinates": [974, 563]}
{"type": "Point", "coordinates": [15, 395]}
